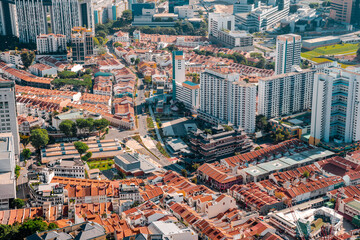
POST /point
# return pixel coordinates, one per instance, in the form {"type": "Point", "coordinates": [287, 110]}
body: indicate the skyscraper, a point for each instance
{"type": "Point", "coordinates": [178, 71]}
{"type": "Point", "coordinates": [8, 19]}
{"type": "Point", "coordinates": [8, 119]}
{"type": "Point", "coordinates": [335, 111]}
{"type": "Point", "coordinates": [64, 15]}
{"type": "Point", "coordinates": [225, 99]}
{"type": "Point", "coordinates": [288, 49]}
{"type": "Point", "coordinates": [31, 15]}
{"type": "Point", "coordinates": [178, 66]}
{"type": "Point", "coordinates": [7, 170]}
{"type": "Point", "coordinates": [285, 94]}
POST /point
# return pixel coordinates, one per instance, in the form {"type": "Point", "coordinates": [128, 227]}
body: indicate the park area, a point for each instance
{"type": "Point", "coordinates": [332, 50]}
{"type": "Point", "coordinates": [337, 49]}
{"type": "Point", "coordinates": [101, 164]}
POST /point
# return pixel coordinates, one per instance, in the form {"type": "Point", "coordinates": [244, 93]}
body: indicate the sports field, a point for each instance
{"type": "Point", "coordinates": [337, 49]}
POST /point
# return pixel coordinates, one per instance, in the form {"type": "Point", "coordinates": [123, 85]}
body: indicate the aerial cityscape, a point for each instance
{"type": "Point", "coordinates": [179, 119]}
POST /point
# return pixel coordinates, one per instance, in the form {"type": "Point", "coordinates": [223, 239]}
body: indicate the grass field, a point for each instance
{"type": "Point", "coordinates": [101, 165]}
{"type": "Point", "coordinates": [336, 49]}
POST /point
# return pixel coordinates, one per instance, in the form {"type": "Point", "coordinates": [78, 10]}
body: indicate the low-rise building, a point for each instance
{"type": "Point", "coordinates": [84, 231]}
{"type": "Point", "coordinates": [134, 164]}
{"type": "Point", "coordinates": [43, 70]}
{"type": "Point", "coordinates": [234, 38]}
{"type": "Point", "coordinates": [26, 123]}
{"type": "Point", "coordinates": [73, 168]}
{"type": "Point", "coordinates": [223, 143]}
{"type": "Point", "coordinates": [172, 231]}
{"type": "Point", "coordinates": [121, 36]}
{"type": "Point", "coordinates": [12, 57]}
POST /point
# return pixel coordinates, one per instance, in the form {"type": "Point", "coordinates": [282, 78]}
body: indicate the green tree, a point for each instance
{"type": "Point", "coordinates": [101, 40]}
{"type": "Point", "coordinates": [101, 124]}
{"type": "Point", "coordinates": [26, 153]}
{"type": "Point", "coordinates": [101, 34]}
{"type": "Point", "coordinates": [17, 203]}
{"type": "Point", "coordinates": [96, 42]}
{"type": "Point", "coordinates": [52, 226]}
{"type": "Point", "coordinates": [261, 63]}
{"type": "Point", "coordinates": [227, 128]}
{"type": "Point", "coordinates": [31, 226]}
{"type": "Point", "coordinates": [117, 45]}
{"type": "Point", "coordinates": [27, 58]}
{"type": "Point", "coordinates": [127, 15]}
{"type": "Point", "coordinates": [184, 172]}
{"type": "Point", "coordinates": [66, 127]}
{"type": "Point", "coordinates": [306, 174]}
{"type": "Point", "coordinates": [24, 140]}
{"type": "Point", "coordinates": [137, 61]}
{"type": "Point", "coordinates": [81, 147]}
{"type": "Point", "coordinates": [17, 171]}
{"type": "Point", "coordinates": [262, 123]}
{"type": "Point", "coordinates": [314, 5]}
{"type": "Point", "coordinates": [194, 180]}
{"type": "Point", "coordinates": [39, 138]}
{"type": "Point", "coordinates": [195, 166]}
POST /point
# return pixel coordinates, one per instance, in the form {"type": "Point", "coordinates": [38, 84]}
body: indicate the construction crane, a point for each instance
{"type": "Point", "coordinates": [328, 234]}
{"type": "Point", "coordinates": [296, 222]}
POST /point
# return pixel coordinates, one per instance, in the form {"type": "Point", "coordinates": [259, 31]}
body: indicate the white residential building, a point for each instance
{"type": "Point", "coordinates": [43, 70]}
{"type": "Point", "coordinates": [178, 66]}
{"type": "Point", "coordinates": [51, 43]}
{"type": "Point", "coordinates": [12, 57]}
{"type": "Point", "coordinates": [263, 17]}
{"type": "Point", "coordinates": [285, 94]}
{"type": "Point", "coordinates": [235, 38]}
{"type": "Point", "coordinates": [242, 6]}
{"type": "Point", "coordinates": [73, 168]}
{"type": "Point", "coordinates": [224, 99]}
{"type": "Point", "coordinates": [220, 205]}
{"type": "Point", "coordinates": [186, 11]}
{"type": "Point", "coordinates": [8, 120]}
{"type": "Point", "coordinates": [7, 170]}
{"type": "Point", "coordinates": [335, 106]}
{"type": "Point", "coordinates": [121, 36]}
{"type": "Point", "coordinates": [220, 21]}
{"type": "Point", "coordinates": [170, 230]}
{"type": "Point", "coordinates": [188, 93]}
{"type": "Point", "coordinates": [288, 49]}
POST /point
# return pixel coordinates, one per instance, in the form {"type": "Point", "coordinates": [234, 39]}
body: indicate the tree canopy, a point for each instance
{"type": "Point", "coordinates": [81, 147]}
{"type": "Point", "coordinates": [26, 153]}
{"type": "Point", "coordinates": [27, 58]}
{"type": "Point", "coordinates": [66, 127]}
{"type": "Point", "coordinates": [39, 138]}
{"type": "Point", "coordinates": [17, 203]}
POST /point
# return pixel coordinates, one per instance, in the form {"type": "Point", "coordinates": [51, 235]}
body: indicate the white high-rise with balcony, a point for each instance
{"type": "Point", "coordinates": [288, 49]}
{"type": "Point", "coordinates": [286, 94]}
{"type": "Point", "coordinates": [51, 43]}
{"type": "Point", "coordinates": [336, 107]}
{"type": "Point", "coordinates": [225, 99]}
{"type": "Point", "coordinates": [8, 119]}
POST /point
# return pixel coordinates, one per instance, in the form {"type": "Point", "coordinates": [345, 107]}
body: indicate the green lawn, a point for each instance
{"type": "Point", "coordinates": [331, 50]}
{"type": "Point", "coordinates": [101, 165]}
